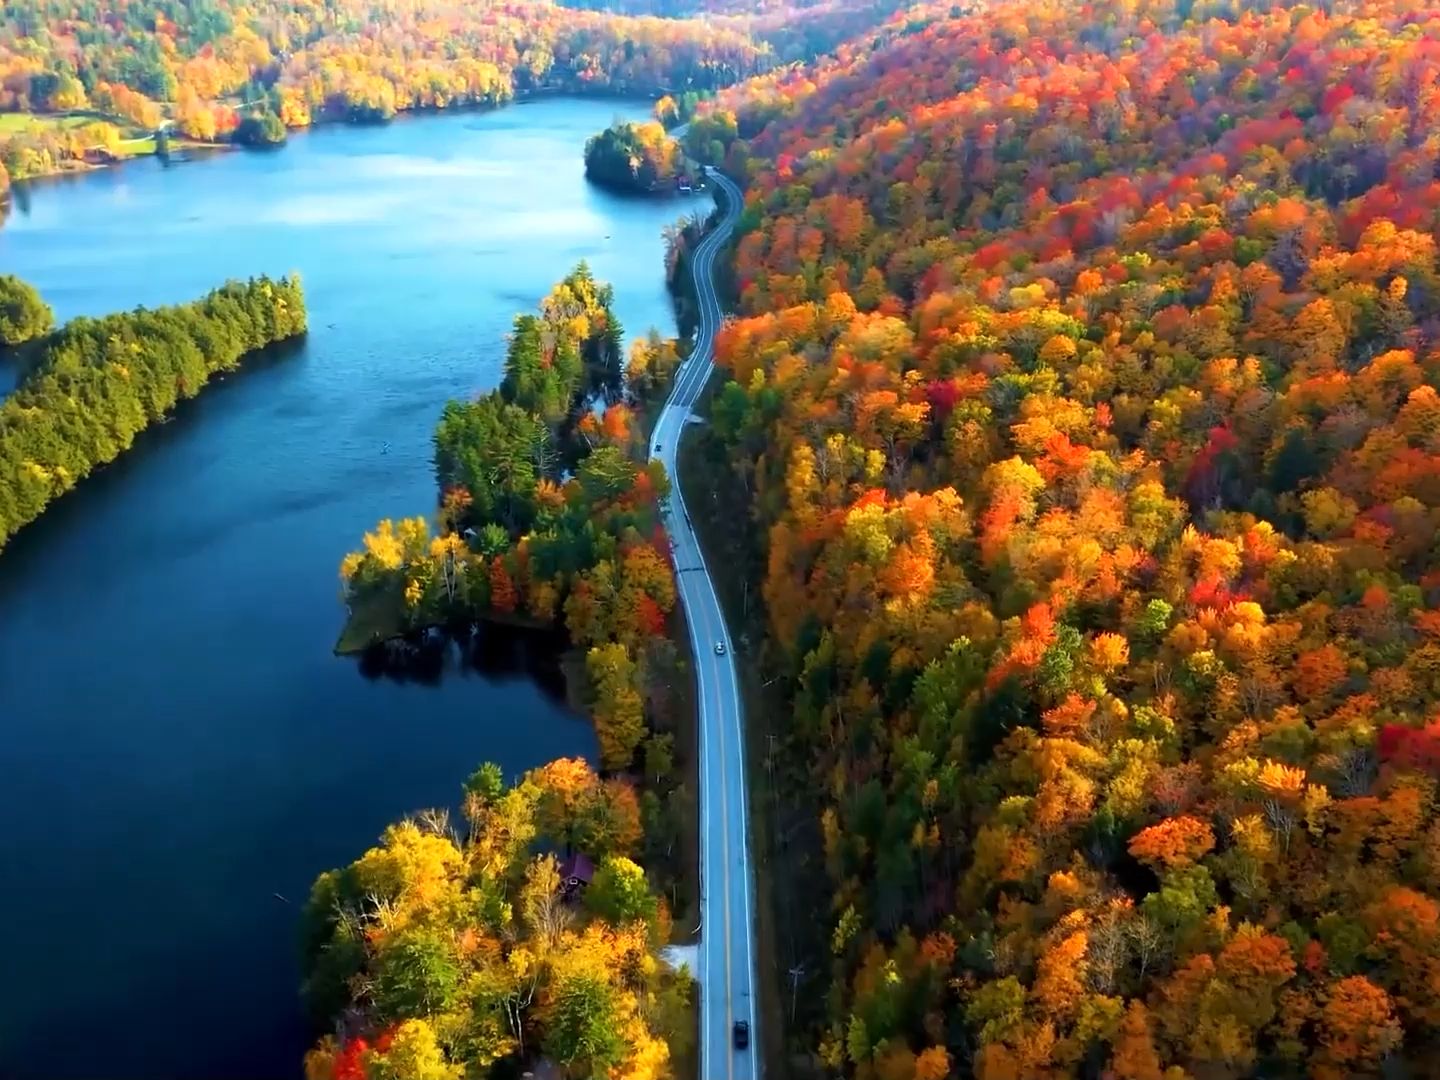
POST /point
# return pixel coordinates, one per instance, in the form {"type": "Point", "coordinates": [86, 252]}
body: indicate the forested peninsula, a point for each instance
{"type": "Point", "coordinates": [549, 510]}
{"type": "Point", "coordinates": [97, 383]}
{"type": "Point", "coordinates": [549, 515]}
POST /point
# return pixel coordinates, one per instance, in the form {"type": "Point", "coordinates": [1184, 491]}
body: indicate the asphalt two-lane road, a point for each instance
{"type": "Point", "coordinates": [727, 910]}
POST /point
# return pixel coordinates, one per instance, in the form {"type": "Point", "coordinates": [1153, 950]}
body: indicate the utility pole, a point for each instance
{"type": "Point", "coordinates": [796, 973]}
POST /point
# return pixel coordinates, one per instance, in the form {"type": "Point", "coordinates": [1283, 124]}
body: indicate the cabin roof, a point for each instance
{"type": "Point", "coordinates": [577, 867]}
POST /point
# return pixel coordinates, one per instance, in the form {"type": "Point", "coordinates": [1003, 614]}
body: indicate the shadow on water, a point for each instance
{"type": "Point", "coordinates": [496, 652]}
{"type": "Point", "coordinates": [17, 362]}
{"type": "Point", "coordinates": [19, 200]}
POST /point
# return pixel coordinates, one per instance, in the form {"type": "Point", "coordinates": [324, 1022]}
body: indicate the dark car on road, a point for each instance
{"type": "Point", "coordinates": [742, 1034]}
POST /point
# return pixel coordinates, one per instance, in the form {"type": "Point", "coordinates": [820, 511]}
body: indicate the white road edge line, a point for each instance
{"type": "Point", "coordinates": [676, 414]}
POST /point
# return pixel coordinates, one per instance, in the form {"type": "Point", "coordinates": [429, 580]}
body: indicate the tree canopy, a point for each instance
{"type": "Point", "coordinates": [1081, 393]}
{"type": "Point", "coordinates": [98, 383]}
{"type": "Point", "coordinates": [442, 953]}
{"type": "Point", "coordinates": [23, 315]}
{"type": "Point", "coordinates": [633, 157]}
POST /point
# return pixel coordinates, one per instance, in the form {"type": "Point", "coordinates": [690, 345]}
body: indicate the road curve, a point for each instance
{"type": "Point", "coordinates": [727, 909]}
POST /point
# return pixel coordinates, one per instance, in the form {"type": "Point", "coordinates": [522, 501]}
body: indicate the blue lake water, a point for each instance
{"type": "Point", "coordinates": [178, 746]}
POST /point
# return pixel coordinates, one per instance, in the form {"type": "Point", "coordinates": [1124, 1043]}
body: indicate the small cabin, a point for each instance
{"type": "Point", "coordinates": [576, 873]}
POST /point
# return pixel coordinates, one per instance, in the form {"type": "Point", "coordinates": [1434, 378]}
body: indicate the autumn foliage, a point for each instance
{"type": "Point", "coordinates": [549, 513]}
{"type": "Point", "coordinates": [209, 65]}
{"type": "Point", "coordinates": [1084, 388]}
{"type": "Point", "coordinates": [443, 953]}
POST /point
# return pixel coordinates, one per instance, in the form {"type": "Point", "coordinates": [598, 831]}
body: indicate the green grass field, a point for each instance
{"type": "Point", "coordinates": [14, 123]}
{"type": "Point", "coordinates": [134, 141]}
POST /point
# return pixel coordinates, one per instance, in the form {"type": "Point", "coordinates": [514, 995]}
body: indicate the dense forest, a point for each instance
{"type": "Point", "coordinates": [1085, 395]}
{"type": "Point", "coordinates": [98, 383]}
{"type": "Point", "coordinates": [106, 78]}
{"type": "Point", "coordinates": [634, 157]}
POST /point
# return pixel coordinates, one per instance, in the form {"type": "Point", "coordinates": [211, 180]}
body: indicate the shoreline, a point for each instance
{"type": "Point", "coordinates": [76, 167]}
{"type": "Point", "coordinates": [257, 538]}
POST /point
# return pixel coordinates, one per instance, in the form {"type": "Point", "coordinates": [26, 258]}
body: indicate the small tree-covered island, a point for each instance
{"type": "Point", "coordinates": [635, 158]}
{"type": "Point", "coordinates": [97, 383]}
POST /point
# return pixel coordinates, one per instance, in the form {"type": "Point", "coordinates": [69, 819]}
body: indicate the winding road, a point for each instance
{"type": "Point", "coordinates": [727, 910]}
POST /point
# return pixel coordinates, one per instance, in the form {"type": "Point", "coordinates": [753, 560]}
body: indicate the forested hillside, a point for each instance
{"type": "Point", "coordinates": [1085, 394]}
{"type": "Point", "coordinates": [209, 64]}
{"type": "Point", "coordinates": [348, 58]}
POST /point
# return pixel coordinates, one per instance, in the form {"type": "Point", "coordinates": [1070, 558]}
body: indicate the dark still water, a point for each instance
{"type": "Point", "coordinates": [177, 743]}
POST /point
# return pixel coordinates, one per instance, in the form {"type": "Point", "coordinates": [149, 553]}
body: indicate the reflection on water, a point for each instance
{"type": "Point", "coordinates": [178, 745]}
{"type": "Point", "coordinates": [494, 651]}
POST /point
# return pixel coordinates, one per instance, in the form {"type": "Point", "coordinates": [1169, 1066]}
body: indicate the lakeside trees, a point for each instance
{"type": "Point", "coordinates": [633, 157]}
{"type": "Point", "coordinates": [23, 314]}
{"type": "Point", "coordinates": [442, 953]}
{"type": "Point", "coordinates": [349, 61]}
{"type": "Point", "coordinates": [99, 382]}
{"type": "Point", "coordinates": [1082, 394]}
{"type": "Point", "coordinates": [41, 146]}
{"type": "Point", "coordinates": [548, 515]}
{"type": "Point", "coordinates": [264, 129]}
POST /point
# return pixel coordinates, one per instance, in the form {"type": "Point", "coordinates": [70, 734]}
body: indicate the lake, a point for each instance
{"type": "Point", "coordinates": [181, 753]}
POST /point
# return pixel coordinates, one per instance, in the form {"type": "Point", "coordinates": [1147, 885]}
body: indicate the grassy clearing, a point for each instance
{"type": "Point", "coordinates": [134, 142]}
{"type": "Point", "coordinates": [16, 123]}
